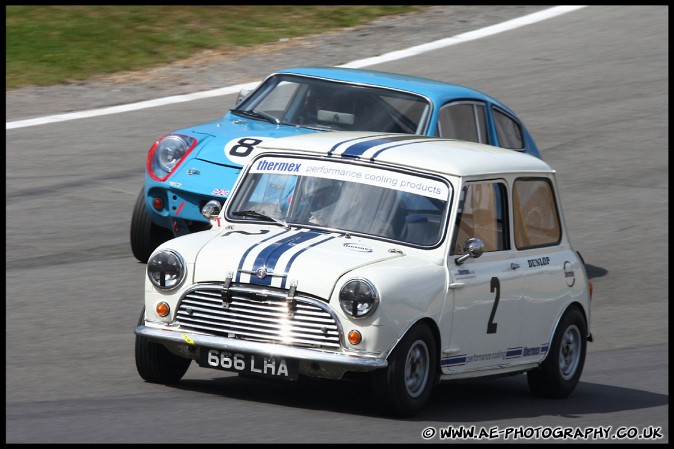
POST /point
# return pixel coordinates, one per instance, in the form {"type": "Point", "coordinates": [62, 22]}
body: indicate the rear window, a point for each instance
{"type": "Point", "coordinates": [536, 218]}
{"type": "Point", "coordinates": [508, 131]}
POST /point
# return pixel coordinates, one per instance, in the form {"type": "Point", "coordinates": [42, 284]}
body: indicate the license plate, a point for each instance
{"type": "Point", "coordinates": [253, 364]}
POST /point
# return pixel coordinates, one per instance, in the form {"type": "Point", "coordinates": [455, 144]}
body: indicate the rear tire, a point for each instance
{"type": "Point", "coordinates": [404, 387]}
{"type": "Point", "coordinates": [157, 364]}
{"type": "Point", "coordinates": [560, 372]}
{"type": "Point", "coordinates": [145, 235]}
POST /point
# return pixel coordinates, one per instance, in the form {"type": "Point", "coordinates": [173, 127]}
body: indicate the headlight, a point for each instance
{"type": "Point", "coordinates": [167, 153]}
{"type": "Point", "coordinates": [166, 269]}
{"type": "Point", "coordinates": [358, 298]}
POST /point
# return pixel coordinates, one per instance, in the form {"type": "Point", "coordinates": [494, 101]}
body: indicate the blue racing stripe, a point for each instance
{"type": "Point", "coordinates": [332, 150]}
{"type": "Point", "coordinates": [292, 259]}
{"type": "Point", "coordinates": [243, 258]}
{"type": "Point", "coordinates": [358, 149]}
{"type": "Point", "coordinates": [399, 145]}
{"type": "Point", "coordinates": [513, 352]}
{"type": "Point", "coordinates": [457, 360]}
{"type": "Point", "coordinates": [269, 256]}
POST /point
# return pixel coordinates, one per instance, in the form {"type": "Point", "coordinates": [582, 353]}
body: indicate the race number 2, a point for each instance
{"type": "Point", "coordinates": [495, 285]}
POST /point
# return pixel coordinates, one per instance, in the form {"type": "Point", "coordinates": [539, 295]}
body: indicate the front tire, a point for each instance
{"type": "Point", "coordinates": [560, 372]}
{"type": "Point", "coordinates": [145, 235]}
{"type": "Point", "coordinates": [404, 387]}
{"type": "Point", "coordinates": [157, 364]}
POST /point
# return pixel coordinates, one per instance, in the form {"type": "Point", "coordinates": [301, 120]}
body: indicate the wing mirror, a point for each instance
{"type": "Point", "coordinates": [211, 209]}
{"type": "Point", "coordinates": [472, 248]}
{"type": "Point", "coordinates": [243, 93]}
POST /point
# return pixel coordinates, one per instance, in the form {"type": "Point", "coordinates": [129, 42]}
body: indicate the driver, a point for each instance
{"type": "Point", "coordinates": [323, 202]}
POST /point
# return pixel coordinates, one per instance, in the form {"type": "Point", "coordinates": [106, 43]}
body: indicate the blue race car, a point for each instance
{"type": "Point", "coordinates": [190, 172]}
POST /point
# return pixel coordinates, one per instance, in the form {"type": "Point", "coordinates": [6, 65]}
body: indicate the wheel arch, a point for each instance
{"type": "Point", "coordinates": [572, 305]}
{"type": "Point", "coordinates": [435, 331]}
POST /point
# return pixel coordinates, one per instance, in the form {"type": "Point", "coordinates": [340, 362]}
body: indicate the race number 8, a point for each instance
{"type": "Point", "coordinates": [224, 360]}
{"type": "Point", "coordinates": [244, 147]}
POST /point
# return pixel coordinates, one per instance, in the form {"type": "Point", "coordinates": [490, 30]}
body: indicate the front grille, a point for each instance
{"type": "Point", "coordinates": [259, 314]}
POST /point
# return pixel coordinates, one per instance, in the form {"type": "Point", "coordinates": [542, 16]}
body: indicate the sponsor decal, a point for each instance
{"type": "Point", "coordinates": [539, 262]}
{"type": "Point", "coordinates": [569, 274]}
{"type": "Point", "coordinates": [220, 192]}
{"type": "Point", "coordinates": [175, 184]}
{"type": "Point", "coordinates": [419, 185]}
{"type": "Point", "coordinates": [278, 167]}
{"type": "Point", "coordinates": [357, 247]}
{"type": "Point", "coordinates": [187, 339]}
{"type": "Point", "coordinates": [526, 351]}
{"type": "Point", "coordinates": [510, 353]}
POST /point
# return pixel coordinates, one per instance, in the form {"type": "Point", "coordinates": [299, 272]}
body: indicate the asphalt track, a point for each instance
{"type": "Point", "coordinates": [592, 86]}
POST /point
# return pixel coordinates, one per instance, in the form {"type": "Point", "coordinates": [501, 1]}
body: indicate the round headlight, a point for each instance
{"type": "Point", "coordinates": [171, 149]}
{"type": "Point", "coordinates": [166, 269]}
{"type": "Point", "coordinates": [358, 298]}
{"type": "Point", "coordinates": [167, 153]}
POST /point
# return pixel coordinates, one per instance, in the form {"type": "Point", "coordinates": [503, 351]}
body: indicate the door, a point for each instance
{"type": "Point", "coordinates": [487, 290]}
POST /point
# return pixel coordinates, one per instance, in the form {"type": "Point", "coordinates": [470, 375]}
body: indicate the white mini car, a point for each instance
{"type": "Point", "coordinates": [410, 258]}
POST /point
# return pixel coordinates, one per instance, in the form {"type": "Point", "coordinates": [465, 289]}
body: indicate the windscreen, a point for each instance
{"type": "Point", "coordinates": [352, 198]}
{"type": "Point", "coordinates": [330, 105]}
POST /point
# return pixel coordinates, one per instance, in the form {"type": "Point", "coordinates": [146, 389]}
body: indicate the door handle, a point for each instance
{"type": "Point", "coordinates": [514, 266]}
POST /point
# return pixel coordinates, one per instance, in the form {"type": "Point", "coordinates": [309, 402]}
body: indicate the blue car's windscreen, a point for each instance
{"type": "Point", "coordinates": [329, 105]}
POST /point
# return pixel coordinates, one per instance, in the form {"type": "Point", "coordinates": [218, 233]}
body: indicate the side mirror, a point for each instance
{"type": "Point", "coordinates": [211, 209]}
{"type": "Point", "coordinates": [243, 93]}
{"type": "Point", "coordinates": [473, 248]}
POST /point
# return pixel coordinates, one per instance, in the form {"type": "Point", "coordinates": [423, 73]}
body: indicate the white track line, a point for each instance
{"type": "Point", "coordinates": [392, 56]}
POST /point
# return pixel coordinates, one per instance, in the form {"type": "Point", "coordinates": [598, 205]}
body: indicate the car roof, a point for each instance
{"type": "Point", "coordinates": [424, 153]}
{"type": "Point", "coordinates": [438, 91]}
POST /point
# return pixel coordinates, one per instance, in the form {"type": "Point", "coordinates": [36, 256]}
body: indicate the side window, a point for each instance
{"type": "Point", "coordinates": [482, 214]}
{"type": "Point", "coordinates": [535, 209]}
{"type": "Point", "coordinates": [463, 121]}
{"type": "Point", "coordinates": [508, 131]}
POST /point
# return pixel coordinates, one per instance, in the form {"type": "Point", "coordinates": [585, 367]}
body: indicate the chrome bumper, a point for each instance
{"type": "Point", "coordinates": [348, 361]}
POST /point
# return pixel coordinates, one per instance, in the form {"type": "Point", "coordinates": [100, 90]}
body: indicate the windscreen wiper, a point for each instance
{"type": "Point", "coordinates": [257, 114]}
{"type": "Point", "coordinates": [256, 214]}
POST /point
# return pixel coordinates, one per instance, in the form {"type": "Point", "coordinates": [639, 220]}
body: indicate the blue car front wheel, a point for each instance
{"type": "Point", "coordinates": [145, 235]}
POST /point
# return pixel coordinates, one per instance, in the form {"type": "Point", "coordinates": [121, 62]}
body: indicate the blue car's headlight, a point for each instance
{"type": "Point", "coordinates": [166, 269]}
{"type": "Point", "coordinates": [358, 298]}
{"type": "Point", "coordinates": [167, 153]}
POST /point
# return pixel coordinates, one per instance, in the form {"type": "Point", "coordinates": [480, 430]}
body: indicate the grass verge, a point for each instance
{"type": "Point", "coordinates": [48, 45]}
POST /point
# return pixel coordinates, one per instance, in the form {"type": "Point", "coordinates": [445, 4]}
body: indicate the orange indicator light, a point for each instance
{"type": "Point", "coordinates": [163, 309]}
{"type": "Point", "coordinates": [355, 337]}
